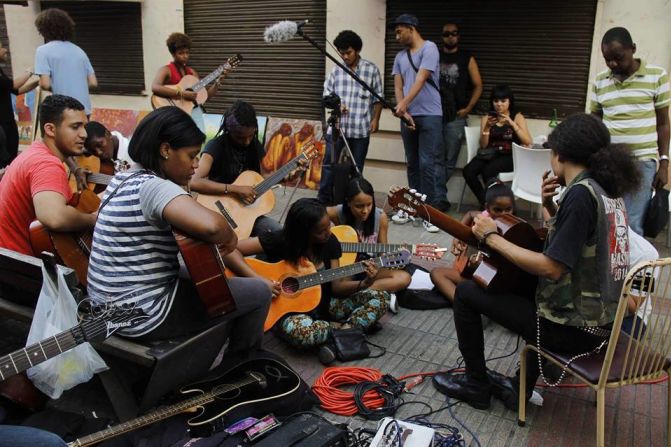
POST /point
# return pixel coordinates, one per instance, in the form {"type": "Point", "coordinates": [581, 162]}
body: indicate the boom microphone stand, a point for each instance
{"type": "Point", "coordinates": [353, 75]}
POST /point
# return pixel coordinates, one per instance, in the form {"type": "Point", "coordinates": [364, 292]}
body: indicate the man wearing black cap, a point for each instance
{"type": "Point", "coordinates": [416, 76]}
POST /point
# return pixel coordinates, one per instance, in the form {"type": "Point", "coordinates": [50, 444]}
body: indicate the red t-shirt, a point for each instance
{"type": "Point", "coordinates": [35, 170]}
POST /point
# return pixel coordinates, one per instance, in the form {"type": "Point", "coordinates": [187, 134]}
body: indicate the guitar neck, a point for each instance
{"type": "Point", "coordinates": [446, 223]}
{"type": "Point", "coordinates": [329, 275]}
{"type": "Point", "coordinates": [361, 247]}
{"type": "Point", "coordinates": [277, 176]}
{"type": "Point", "coordinates": [99, 179]}
{"type": "Point", "coordinates": [159, 415]}
{"type": "Point", "coordinates": [32, 355]}
{"type": "Point", "coordinates": [210, 78]}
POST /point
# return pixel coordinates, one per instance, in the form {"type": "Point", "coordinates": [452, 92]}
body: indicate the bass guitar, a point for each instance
{"type": "Point", "coordinates": [350, 245]}
{"type": "Point", "coordinates": [494, 272]}
{"type": "Point", "coordinates": [237, 393]}
{"type": "Point", "coordinates": [245, 215]}
{"type": "Point", "coordinates": [72, 249]}
{"type": "Point", "coordinates": [190, 82]}
{"type": "Point", "coordinates": [299, 284]}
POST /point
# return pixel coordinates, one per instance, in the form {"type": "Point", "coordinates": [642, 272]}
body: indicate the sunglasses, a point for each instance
{"type": "Point", "coordinates": [450, 33]}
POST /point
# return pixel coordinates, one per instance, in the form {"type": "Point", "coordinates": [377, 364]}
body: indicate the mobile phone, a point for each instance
{"type": "Point", "coordinates": [492, 113]}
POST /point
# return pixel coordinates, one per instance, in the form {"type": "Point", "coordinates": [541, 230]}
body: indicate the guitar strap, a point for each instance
{"type": "Point", "coordinates": [429, 80]}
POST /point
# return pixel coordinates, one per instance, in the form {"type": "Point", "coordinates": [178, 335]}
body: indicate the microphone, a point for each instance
{"type": "Point", "coordinates": [283, 31]}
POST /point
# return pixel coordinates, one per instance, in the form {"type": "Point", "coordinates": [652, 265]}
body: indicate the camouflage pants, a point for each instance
{"type": "Point", "coordinates": [361, 310]}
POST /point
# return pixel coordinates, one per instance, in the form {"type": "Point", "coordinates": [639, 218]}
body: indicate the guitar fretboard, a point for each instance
{"type": "Point", "coordinates": [329, 275]}
{"type": "Point", "coordinates": [99, 179]}
{"type": "Point", "coordinates": [211, 77]}
{"type": "Point", "coordinates": [361, 247]}
{"type": "Point", "coordinates": [30, 356]}
{"type": "Point", "coordinates": [277, 176]}
{"type": "Point", "coordinates": [161, 414]}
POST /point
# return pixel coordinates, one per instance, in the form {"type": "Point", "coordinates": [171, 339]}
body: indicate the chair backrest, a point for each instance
{"type": "Point", "coordinates": [644, 354]}
{"type": "Point", "coordinates": [530, 164]}
{"type": "Point", "coordinates": [472, 141]}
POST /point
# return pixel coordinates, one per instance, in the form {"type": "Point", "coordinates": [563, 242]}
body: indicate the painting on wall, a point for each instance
{"type": "Point", "coordinates": [285, 139]}
{"type": "Point", "coordinates": [24, 111]}
{"type": "Point", "coordinates": [123, 121]}
{"type": "Point", "coordinates": [213, 123]}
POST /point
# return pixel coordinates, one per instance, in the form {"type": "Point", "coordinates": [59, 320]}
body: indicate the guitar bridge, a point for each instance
{"type": "Point", "coordinates": [224, 212]}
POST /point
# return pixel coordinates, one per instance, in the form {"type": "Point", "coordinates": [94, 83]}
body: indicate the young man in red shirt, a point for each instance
{"type": "Point", "coordinates": [35, 185]}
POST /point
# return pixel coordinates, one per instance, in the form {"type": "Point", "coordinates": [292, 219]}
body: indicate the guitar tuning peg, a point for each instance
{"type": "Point", "coordinates": [423, 197]}
{"type": "Point", "coordinates": [412, 191]}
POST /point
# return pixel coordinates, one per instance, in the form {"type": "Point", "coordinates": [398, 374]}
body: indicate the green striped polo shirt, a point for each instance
{"type": "Point", "coordinates": [628, 107]}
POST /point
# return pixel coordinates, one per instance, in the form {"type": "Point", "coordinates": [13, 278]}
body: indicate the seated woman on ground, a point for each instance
{"type": "Point", "coordinates": [499, 200]}
{"type": "Point", "coordinates": [371, 225]}
{"type": "Point", "coordinates": [344, 302]}
{"type": "Point", "coordinates": [502, 127]}
{"type": "Point", "coordinates": [134, 257]}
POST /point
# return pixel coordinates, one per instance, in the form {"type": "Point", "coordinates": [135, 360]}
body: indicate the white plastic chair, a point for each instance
{"type": "Point", "coordinates": [472, 144]}
{"type": "Point", "coordinates": [530, 164]}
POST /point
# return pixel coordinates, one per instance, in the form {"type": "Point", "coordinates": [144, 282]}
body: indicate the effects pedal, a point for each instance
{"type": "Point", "coordinates": [394, 433]}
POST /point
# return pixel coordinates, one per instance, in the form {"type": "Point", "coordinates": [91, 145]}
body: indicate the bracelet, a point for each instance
{"type": "Point", "coordinates": [663, 157]}
{"type": "Point", "coordinates": [359, 286]}
{"type": "Point", "coordinates": [485, 133]}
{"type": "Point", "coordinates": [486, 235]}
{"type": "Point", "coordinates": [225, 188]}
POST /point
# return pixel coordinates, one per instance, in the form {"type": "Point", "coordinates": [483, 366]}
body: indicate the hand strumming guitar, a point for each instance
{"type": "Point", "coordinates": [189, 95]}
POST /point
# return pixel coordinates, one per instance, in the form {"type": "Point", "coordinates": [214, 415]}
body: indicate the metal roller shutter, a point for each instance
{"type": "Point", "coordinates": [541, 49]}
{"type": "Point", "coordinates": [282, 79]}
{"type": "Point", "coordinates": [111, 35]}
{"type": "Point", "coordinates": [6, 66]}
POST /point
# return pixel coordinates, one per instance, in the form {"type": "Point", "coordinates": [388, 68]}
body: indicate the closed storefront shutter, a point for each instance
{"type": "Point", "coordinates": [281, 79]}
{"type": "Point", "coordinates": [6, 66]}
{"type": "Point", "coordinates": [541, 49]}
{"type": "Point", "coordinates": [111, 35]}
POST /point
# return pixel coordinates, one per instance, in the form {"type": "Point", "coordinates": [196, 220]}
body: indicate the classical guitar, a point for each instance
{"type": "Point", "coordinates": [190, 82]}
{"type": "Point", "coordinates": [494, 273]}
{"type": "Point", "coordinates": [239, 392]}
{"type": "Point", "coordinates": [72, 249]}
{"type": "Point", "coordinates": [246, 215]}
{"type": "Point", "coordinates": [207, 271]}
{"type": "Point", "coordinates": [300, 291]}
{"type": "Point", "coordinates": [100, 172]}
{"type": "Point", "coordinates": [350, 245]}
{"type": "Point", "coordinates": [103, 322]}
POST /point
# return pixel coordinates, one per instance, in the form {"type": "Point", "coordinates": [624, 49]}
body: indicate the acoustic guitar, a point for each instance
{"type": "Point", "coordinates": [246, 215]}
{"type": "Point", "coordinates": [238, 393]}
{"type": "Point", "coordinates": [72, 249]}
{"type": "Point", "coordinates": [299, 284]}
{"type": "Point", "coordinates": [104, 321]}
{"type": "Point", "coordinates": [350, 245]}
{"type": "Point", "coordinates": [100, 172]}
{"type": "Point", "coordinates": [494, 273]}
{"type": "Point", "coordinates": [190, 82]}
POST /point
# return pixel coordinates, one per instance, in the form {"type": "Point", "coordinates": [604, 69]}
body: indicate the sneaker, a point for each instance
{"type": "Point", "coordinates": [428, 226]}
{"type": "Point", "coordinates": [393, 303]}
{"type": "Point", "coordinates": [400, 217]}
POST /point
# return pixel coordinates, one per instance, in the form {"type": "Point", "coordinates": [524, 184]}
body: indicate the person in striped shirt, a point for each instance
{"type": "Point", "coordinates": [632, 98]}
{"type": "Point", "coordinates": [134, 257]}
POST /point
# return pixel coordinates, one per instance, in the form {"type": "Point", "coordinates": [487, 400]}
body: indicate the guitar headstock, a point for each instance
{"type": "Point", "coordinates": [310, 151]}
{"type": "Point", "coordinates": [394, 260]}
{"type": "Point", "coordinates": [233, 62]}
{"type": "Point", "coordinates": [105, 320]}
{"type": "Point", "coordinates": [429, 251]}
{"type": "Point", "coordinates": [121, 166]}
{"type": "Point", "coordinates": [407, 200]}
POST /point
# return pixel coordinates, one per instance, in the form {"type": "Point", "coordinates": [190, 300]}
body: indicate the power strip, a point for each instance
{"type": "Point", "coordinates": [411, 435]}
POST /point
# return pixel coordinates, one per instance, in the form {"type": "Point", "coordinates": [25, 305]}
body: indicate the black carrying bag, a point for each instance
{"type": "Point", "coordinates": [351, 344]}
{"type": "Point", "coordinates": [422, 299]}
{"type": "Point", "coordinates": [657, 214]}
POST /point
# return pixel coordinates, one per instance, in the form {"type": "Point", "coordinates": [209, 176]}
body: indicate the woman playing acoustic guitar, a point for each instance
{"type": "Point", "coordinates": [371, 224]}
{"type": "Point", "coordinates": [344, 302]}
{"type": "Point", "coordinates": [134, 258]}
{"type": "Point", "coordinates": [499, 200]}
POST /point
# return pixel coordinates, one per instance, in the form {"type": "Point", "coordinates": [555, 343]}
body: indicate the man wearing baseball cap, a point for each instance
{"type": "Point", "coordinates": [416, 75]}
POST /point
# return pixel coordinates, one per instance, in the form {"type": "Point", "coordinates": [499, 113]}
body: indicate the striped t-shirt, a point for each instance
{"type": "Point", "coordinates": [628, 107]}
{"type": "Point", "coordinates": [134, 258]}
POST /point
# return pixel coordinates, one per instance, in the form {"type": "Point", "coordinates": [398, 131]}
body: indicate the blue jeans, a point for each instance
{"type": "Point", "coordinates": [359, 148]}
{"type": "Point", "coordinates": [637, 201]}
{"type": "Point", "coordinates": [425, 156]}
{"type": "Point", "coordinates": [453, 135]}
{"type": "Point", "coordinates": [16, 436]}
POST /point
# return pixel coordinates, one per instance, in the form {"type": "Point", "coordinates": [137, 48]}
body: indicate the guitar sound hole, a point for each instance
{"type": "Point", "coordinates": [290, 285]}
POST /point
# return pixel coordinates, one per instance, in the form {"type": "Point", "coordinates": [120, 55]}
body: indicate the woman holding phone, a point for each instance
{"type": "Point", "coordinates": [502, 126]}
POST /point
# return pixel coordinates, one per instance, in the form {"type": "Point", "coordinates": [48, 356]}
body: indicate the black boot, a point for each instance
{"type": "Point", "coordinates": [475, 393]}
{"type": "Point", "coordinates": [506, 389]}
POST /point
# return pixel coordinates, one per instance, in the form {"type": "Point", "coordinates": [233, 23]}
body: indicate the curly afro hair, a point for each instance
{"type": "Point", "coordinates": [55, 24]}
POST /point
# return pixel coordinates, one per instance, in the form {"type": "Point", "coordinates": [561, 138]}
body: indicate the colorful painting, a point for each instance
{"type": "Point", "coordinates": [286, 138]}
{"type": "Point", "coordinates": [123, 121]}
{"type": "Point", "coordinates": [213, 123]}
{"type": "Point", "coordinates": [24, 111]}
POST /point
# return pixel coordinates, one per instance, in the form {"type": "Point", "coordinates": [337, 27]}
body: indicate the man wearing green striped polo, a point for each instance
{"type": "Point", "coordinates": [632, 98]}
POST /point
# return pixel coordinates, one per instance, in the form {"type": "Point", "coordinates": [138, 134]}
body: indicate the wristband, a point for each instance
{"type": "Point", "coordinates": [486, 235]}
{"type": "Point", "coordinates": [225, 188]}
{"type": "Point", "coordinates": [663, 157]}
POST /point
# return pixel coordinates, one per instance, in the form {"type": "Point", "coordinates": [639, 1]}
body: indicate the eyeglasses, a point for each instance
{"type": "Point", "coordinates": [450, 33]}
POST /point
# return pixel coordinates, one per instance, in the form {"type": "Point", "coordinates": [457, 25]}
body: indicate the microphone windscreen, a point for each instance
{"type": "Point", "coordinates": [280, 32]}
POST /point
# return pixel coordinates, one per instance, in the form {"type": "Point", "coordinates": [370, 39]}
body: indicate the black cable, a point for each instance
{"type": "Point", "coordinates": [389, 389]}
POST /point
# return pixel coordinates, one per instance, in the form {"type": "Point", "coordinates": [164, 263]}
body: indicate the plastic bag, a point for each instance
{"type": "Point", "coordinates": [56, 311]}
{"type": "Point", "coordinates": [657, 214]}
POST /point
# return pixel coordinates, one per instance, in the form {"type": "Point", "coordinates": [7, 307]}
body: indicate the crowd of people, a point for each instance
{"type": "Point", "coordinates": [607, 163]}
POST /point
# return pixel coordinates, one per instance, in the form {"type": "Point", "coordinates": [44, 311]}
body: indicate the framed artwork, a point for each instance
{"type": "Point", "coordinates": [25, 113]}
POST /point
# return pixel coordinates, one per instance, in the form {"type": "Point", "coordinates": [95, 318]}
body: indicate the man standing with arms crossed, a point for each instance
{"type": "Point", "coordinates": [416, 76]}
{"type": "Point", "coordinates": [361, 110]}
{"type": "Point", "coordinates": [460, 90]}
{"type": "Point", "coordinates": [632, 98]}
